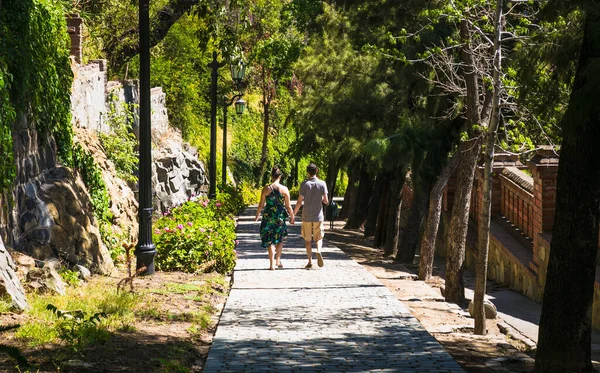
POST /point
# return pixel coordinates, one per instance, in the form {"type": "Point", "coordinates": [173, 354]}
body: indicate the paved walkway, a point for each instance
{"type": "Point", "coordinates": [339, 318]}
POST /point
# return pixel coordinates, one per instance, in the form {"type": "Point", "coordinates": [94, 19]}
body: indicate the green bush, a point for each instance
{"type": "Point", "coordinates": [198, 235]}
{"type": "Point", "coordinates": [294, 192]}
{"type": "Point", "coordinates": [236, 199]}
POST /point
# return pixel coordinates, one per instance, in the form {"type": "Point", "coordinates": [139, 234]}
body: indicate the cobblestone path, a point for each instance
{"type": "Point", "coordinates": [338, 318]}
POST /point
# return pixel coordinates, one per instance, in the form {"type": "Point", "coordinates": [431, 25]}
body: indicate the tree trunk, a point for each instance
{"type": "Point", "coordinates": [564, 343]}
{"type": "Point", "coordinates": [374, 206]}
{"type": "Point", "coordinates": [392, 234]}
{"type": "Point", "coordinates": [380, 231]}
{"type": "Point", "coordinates": [351, 190]}
{"type": "Point", "coordinates": [486, 208]}
{"type": "Point", "coordinates": [410, 236]}
{"type": "Point", "coordinates": [359, 212]}
{"type": "Point", "coordinates": [333, 169]}
{"type": "Point", "coordinates": [457, 234]}
{"type": "Point", "coordinates": [433, 220]}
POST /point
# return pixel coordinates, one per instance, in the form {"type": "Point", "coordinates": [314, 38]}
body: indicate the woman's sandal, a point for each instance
{"type": "Point", "coordinates": [279, 265]}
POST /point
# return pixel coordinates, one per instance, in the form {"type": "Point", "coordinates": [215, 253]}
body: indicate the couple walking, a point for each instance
{"type": "Point", "coordinates": [275, 198]}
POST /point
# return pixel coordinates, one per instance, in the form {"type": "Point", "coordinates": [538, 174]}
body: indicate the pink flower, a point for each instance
{"type": "Point", "coordinates": [190, 223]}
{"type": "Point", "coordinates": [157, 231]}
{"type": "Point", "coordinates": [210, 243]}
{"type": "Point", "coordinates": [202, 230]}
{"type": "Point", "coordinates": [180, 226]}
{"type": "Point", "coordinates": [167, 229]}
{"type": "Point", "coordinates": [218, 204]}
{"type": "Point", "coordinates": [236, 242]}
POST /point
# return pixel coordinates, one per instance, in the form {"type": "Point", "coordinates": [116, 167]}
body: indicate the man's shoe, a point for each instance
{"type": "Point", "coordinates": [319, 259]}
{"type": "Point", "coordinates": [308, 266]}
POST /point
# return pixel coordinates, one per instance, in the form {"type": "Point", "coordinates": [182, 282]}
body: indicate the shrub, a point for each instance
{"type": "Point", "coordinates": [198, 235]}
{"type": "Point", "coordinates": [294, 192]}
{"type": "Point", "coordinates": [236, 199]}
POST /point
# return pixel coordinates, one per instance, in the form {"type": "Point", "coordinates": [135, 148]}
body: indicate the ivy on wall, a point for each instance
{"type": "Point", "coordinates": [34, 47]}
{"type": "Point", "coordinates": [7, 116]}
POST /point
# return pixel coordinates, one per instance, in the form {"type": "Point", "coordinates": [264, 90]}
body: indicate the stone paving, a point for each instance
{"type": "Point", "coordinates": [338, 318]}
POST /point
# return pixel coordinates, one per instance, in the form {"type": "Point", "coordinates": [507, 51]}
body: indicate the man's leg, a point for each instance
{"type": "Point", "coordinates": [318, 231]}
{"type": "Point", "coordinates": [308, 245]}
{"type": "Point", "coordinates": [319, 256]}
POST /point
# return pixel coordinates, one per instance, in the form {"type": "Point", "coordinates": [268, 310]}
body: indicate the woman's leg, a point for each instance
{"type": "Point", "coordinates": [278, 250]}
{"type": "Point", "coordinates": [270, 249]}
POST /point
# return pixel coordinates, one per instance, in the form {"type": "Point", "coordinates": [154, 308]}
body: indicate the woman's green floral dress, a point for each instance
{"type": "Point", "coordinates": [273, 227]}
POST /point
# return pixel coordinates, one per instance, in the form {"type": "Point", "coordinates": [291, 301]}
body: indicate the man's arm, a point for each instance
{"type": "Point", "coordinates": [325, 199]}
{"type": "Point", "coordinates": [296, 208]}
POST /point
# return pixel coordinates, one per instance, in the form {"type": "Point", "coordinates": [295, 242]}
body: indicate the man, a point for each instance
{"type": "Point", "coordinates": [313, 194]}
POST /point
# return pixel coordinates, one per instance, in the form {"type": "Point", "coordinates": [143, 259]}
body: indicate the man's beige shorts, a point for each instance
{"type": "Point", "coordinates": [313, 230]}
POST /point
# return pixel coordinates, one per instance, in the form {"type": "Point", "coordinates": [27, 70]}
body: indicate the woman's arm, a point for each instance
{"type": "Point", "coordinates": [261, 204]}
{"type": "Point", "coordinates": [288, 205]}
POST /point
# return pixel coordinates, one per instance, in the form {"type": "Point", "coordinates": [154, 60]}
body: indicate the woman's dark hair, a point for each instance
{"type": "Point", "coordinates": [275, 172]}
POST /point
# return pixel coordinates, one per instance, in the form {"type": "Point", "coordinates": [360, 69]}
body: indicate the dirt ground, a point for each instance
{"type": "Point", "coordinates": [450, 324]}
{"type": "Point", "coordinates": [163, 337]}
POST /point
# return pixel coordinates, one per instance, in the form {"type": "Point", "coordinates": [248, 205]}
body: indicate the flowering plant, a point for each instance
{"type": "Point", "coordinates": [197, 235]}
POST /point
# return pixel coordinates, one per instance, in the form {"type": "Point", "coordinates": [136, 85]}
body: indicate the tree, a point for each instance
{"type": "Point", "coordinates": [486, 208]}
{"type": "Point", "coordinates": [564, 342]}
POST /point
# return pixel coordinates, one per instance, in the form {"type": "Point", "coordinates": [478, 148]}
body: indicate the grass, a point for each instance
{"type": "Point", "coordinates": [5, 305]}
{"type": "Point", "coordinates": [163, 303]}
{"type": "Point", "coordinates": [90, 299]}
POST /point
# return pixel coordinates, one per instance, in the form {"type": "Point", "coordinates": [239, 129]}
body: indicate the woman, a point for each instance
{"type": "Point", "coordinates": [273, 228]}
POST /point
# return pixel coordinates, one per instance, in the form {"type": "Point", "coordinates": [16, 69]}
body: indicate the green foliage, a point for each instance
{"type": "Point", "coordinates": [69, 276]}
{"type": "Point", "coordinates": [120, 144]}
{"type": "Point", "coordinates": [91, 173]}
{"type": "Point", "coordinates": [7, 116]}
{"type": "Point", "coordinates": [34, 45]}
{"type": "Point", "coordinates": [79, 329]}
{"type": "Point", "coordinates": [198, 235]}
{"type": "Point", "coordinates": [236, 199]}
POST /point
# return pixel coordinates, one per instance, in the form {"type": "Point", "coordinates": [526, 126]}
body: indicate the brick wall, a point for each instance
{"type": "Point", "coordinates": [75, 29]}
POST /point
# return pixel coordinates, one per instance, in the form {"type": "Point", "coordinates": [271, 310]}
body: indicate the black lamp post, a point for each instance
{"type": "Point", "coordinates": [145, 251]}
{"type": "Point", "coordinates": [212, 167]}
{"type": "Point", "coordinates": [240, 106]}
{"type": "Point", "coordinates": [237, 73]}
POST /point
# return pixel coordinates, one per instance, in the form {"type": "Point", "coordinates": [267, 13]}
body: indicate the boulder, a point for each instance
{"type": "Point", "coordinates": [83, 272]}
{"type": "Point", "coordinates": [56, 222]}
{"type": "Point", "coordinates": [10, 285]}
{"type": "Point", "coordinates": [177, 174]}
{"type": "Point", "coordinates": [490, 309]}
{"type": "Point", "coordinates": [45, 280]}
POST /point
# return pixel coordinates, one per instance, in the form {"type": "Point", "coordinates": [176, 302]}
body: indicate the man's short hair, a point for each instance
{"type": "Point", "coordinates": [312, 169]}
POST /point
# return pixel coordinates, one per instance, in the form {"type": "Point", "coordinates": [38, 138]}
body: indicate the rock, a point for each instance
{"type": "Point", "coordinates": [490, 309]}
{"type": "Point", "coordinates": [177, 173]}
{"type": "Point", "coordinates": [44, 280]}
{"type": "Point", "coordinates": [52, 263]}
{"type": "Point", "coordinates": [10, 284]}
{"type": "Point", "coordinates": [83, 272]}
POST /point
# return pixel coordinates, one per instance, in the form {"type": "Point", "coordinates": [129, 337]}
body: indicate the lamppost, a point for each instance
{"type": "Point", "coordinates": [240, 106]}
{"type": "Point", "coordinates": [212, 166]}
{"type": "Point", "coordinates": [145, 251]}
{"type": "Point", "coordinates": [237, 74]}
{"type": "Point", "coordinates": [238, 71]}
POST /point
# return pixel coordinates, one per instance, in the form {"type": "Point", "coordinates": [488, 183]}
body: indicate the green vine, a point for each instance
{"type": "Point", "coordinates": [35, 61]}
{"type": "Point", "coordinates": [7, 116]}
{"type": "Point", "coordinates": [91, 174]}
